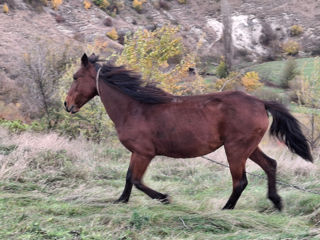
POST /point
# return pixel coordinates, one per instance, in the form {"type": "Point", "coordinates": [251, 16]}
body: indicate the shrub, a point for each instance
{"type": "Point", "coordinates": [289, 72]}
{"type": "Point", "coordinates": [86, 4]}
{"type": "Point", "coordinates": [107, 22]}
{"type": "Point", "coordinates": [182, 1]}
{"type": "Point", "coordinates": [102, 3]}
{"type": "Point", "coordinates": [5, 8]}
{"type": "Point", "coordinates": [44, 2]}
{"type": "Point", "coordinates": [56, 3]}
{"type": "Point", "coordinates": [271, 94]}
{"type": "Point", "coordinates": [113, 34]}
{"type": "Point", "coordinates": [149, 53]}
{"type": "Point", "coordinates": [164, 5]}
{"type": "Point", "coordinates": [308, 91]}
{"type": "Point", "coordinates": [231, 82]}
{"type": "Point", "coordinates": [222, 69]}
{"type": "Point", "coordinates": [251, 81]}
{"type": "Point", "coordinates": [15, 126]}
{"type": "Point", "coordinates": [138, 5]}
{"type": "Point", "coordinates": [296, 30]}
{"type": "Point", "coordinates": [291, 47]}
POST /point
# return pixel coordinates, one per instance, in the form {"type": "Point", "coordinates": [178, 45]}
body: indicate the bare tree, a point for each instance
{"type": "Point", "coordinates": [43, 68]}
{"type": "Point", "coordinates": [227, 32]}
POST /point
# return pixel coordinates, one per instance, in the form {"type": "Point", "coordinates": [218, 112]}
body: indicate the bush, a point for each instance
{"type": "Point", "coordinates": [251, 81]}
{"type": "Point", "coordinates": [164, 5]}
{"type": "Point", "coordinates": [271, 94]}
{"type": "Point", "coordinates": [15, 126]}
{"type": "Point", "coordinates": [5, 8]}
{"type": "Point", "coordinates": [102, 3]}
{"type": "Point", "coordinates": [291, 47]}
{"type": "Point", "coordinates": [113, 34]}
{"type": "Point", "coordinates": [149, 53]}
{"type": "Point", "coordinates": [307, 92]}
{"type": "Point", "coordinates": [138, 5]}
{"type": "Point", "coordinates": [222, 69]}
{"type": "Point", "coordinates": [111, 7]}
{"type": "Point", "coordinates": [289, 72]}
{"type": "Point", "coordinates": [296, 30]}
{"type": "Point", "coordinates": [182, 1]}
{"type": "Point", "coordinates": [231, 82]}
{"type": "Point", "coordinates": [56, 3]}
{"type": "Point", "coordinates": [86, 4]}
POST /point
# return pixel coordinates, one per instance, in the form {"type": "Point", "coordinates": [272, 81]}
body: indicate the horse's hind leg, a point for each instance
{"type": "Point", "coordinates": [269, 166]}
{"type": "Point", "coordinates": [239, 178]}
{"type": "Point", "coordinates": [137, 168]}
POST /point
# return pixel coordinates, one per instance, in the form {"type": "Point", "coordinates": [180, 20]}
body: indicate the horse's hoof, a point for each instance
{"type": "Point", "coordinates": [278, 206]}
{"type": "Point", "coordinates": [120, 201]}
{"type": "Point", "coordinates": [277, 202]}
{"type": "Point", "coordinates": [165, 199]}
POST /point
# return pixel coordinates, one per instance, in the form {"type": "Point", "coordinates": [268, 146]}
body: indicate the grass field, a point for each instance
{"type": "Point", "coordinates": [52, 188]}
{"type": "Point", "coordinates": [272, 71]}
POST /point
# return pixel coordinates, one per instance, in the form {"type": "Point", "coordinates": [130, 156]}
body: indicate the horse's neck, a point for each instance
{"type": "Point", "coordinates": [116, 104]}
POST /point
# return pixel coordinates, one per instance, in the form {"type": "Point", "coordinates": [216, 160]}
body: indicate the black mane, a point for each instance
{"type": "Point", "coordinates": [130, 83]}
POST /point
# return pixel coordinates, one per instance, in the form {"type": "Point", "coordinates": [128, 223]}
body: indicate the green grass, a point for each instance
{"type": "Point", "coordinates": [67, 192]}
{"type": "Point", "coordinates": [272, 71]}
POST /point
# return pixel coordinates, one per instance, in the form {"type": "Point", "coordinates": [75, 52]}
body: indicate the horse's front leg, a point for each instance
{"type": "Point", "coordinates": [124, 198]}
{"type": "Point", "coordinates": [137, 168]}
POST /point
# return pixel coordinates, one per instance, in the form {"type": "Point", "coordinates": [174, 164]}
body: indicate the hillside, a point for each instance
{"type": "Point", "coordinates": [257, 27]}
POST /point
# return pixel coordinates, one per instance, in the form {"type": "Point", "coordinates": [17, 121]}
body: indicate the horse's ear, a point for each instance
{"type": "Point", "coordinates": [85, 60]}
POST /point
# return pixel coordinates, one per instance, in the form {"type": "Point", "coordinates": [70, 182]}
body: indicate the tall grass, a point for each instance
{"type": "Point", "coordinates": [53, 188]}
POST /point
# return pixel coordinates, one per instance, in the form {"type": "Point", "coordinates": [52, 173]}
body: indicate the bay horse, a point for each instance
{"type": "Point", "coordinates": [150, 122]}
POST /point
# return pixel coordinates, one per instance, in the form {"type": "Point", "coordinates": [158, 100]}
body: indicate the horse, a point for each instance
{"type": "Point", "coordinates": [150, 122]}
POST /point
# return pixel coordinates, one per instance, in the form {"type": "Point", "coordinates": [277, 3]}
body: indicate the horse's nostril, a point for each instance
{"type": "Point", "coordinates": [65, 103]}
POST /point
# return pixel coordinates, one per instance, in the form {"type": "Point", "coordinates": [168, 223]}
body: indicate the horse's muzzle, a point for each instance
{"type": "Point", "coordinates": [72, 109]}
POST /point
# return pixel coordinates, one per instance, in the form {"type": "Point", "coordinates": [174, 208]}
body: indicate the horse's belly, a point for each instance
{"type": "Point", "coordinates": [187, 146]}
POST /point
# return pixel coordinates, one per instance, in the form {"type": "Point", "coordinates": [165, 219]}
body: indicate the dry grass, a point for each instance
{"type": "Point", "coordinates": [55, 187]}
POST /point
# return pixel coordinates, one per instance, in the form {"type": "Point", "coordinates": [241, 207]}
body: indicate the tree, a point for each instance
{"type": "Point", "coordinates": [308, 96]}
{"type": "Point", "coordinates": [227, 32]}
{"type": "Point", "coordinates": [44, 66]}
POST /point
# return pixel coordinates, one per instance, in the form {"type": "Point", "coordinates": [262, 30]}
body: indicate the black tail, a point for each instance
{"type": "Point", "coordinates": [287, 129]}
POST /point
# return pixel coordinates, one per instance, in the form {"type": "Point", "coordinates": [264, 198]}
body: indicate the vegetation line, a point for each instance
{"type": "Point", "coordinates": [263, 177]}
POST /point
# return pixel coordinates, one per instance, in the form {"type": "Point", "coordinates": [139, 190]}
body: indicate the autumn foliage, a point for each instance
{"type": "Point", "coordinates": [149, 52]}
{"type": "Point", "coordinates": [251, 81]}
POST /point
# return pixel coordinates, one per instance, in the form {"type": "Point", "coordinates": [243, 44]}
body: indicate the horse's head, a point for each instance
{"type": "Point", "coordinates": [83, 87]}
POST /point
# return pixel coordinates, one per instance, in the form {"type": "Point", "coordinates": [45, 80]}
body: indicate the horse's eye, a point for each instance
{"type": "Point", "coordinates": [75, 78]}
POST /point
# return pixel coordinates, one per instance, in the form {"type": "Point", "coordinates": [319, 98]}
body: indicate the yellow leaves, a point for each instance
{"type": "Point", "coordinates": [148, 53]}
{"type": "Point", "coordinates": [291, 47]}
{"type": "Point", "coordinates": [182, 1]}
{"type": "Point", "coordinates": [5, 8]}
{"type": "Point", "coordinates": [98, 46]}
{"type": "Point", "coordinates": [230, 82]}
{"type": "Point", "coordinates": [56, 3]}
{"type": "Point", "coordinates": [86, 4]}
{"type": "Point", "coordinates": [113, 34]}
{"type": "Point", "coordinates": [251, 81]}
{"type": "Point", "coordinates": [103, 4]}
{"type": "Point", "coordinates": [222, 69]}
{"type": "Point", "coordinates": [138, 4]}
{"type": "Point", "coordinates": [296, 30]}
